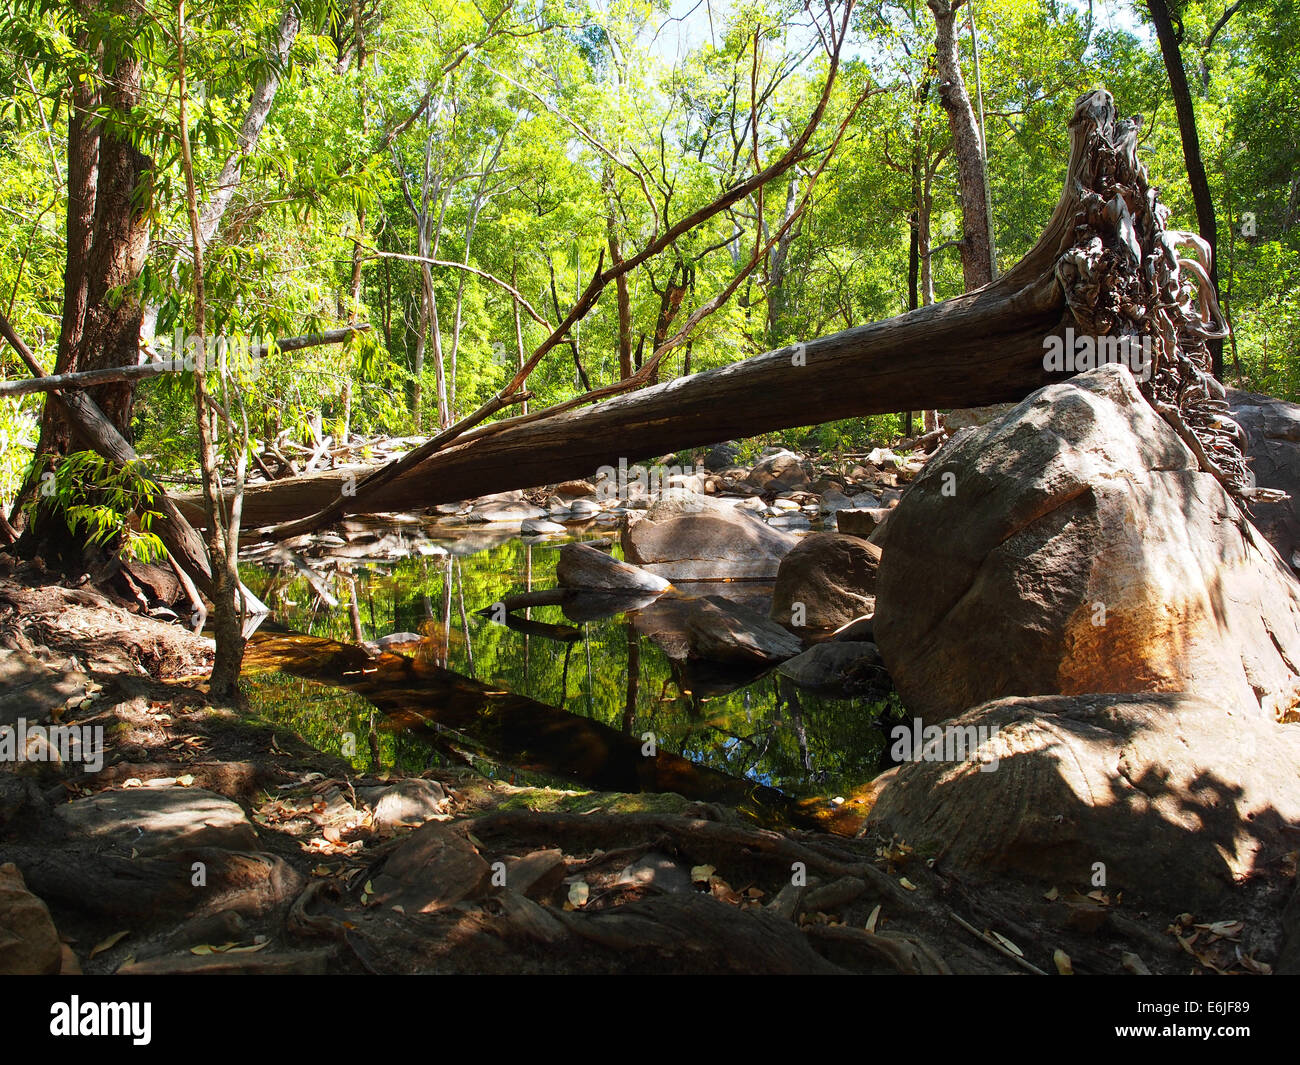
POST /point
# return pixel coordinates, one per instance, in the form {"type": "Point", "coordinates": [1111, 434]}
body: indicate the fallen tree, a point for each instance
{"type": "Point", "coordinates": [1105, 266]}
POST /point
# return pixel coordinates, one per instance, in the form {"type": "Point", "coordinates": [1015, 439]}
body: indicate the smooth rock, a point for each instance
{"type": "Point", "coordinates": [1272, 428]}
{"type": "Point", "coordinates": [1181, 798]}
{"type": "Point", "coordinates": [1073, 546]}
{"type": "Point", "coordinates": [432, 869]}
{"type": "Point", "coordinates": [862, 522]}
{"type": "Point", "coordinates": [408, 802]}
{"type": "Point", "coordinates": [156, 820]}
{"type": "Point", "coordinates": [832, 575]}
{"type": "Point", "coordinates": [779, 472]}
{"type": "Point", "coordinates": [825, 666]}
{"type": "Point", "coordinates": [585, 567]}
{"type": "Point", "coordinates": [30, 689]}
{"type": "Point", "coordinates": [29, 942]}
{"type": "Point", "coordinates": [697, 538]}
{"type": "Point", "coordinates": [541, 527]}
{"type": "Point", "coordinates": [724, 632]}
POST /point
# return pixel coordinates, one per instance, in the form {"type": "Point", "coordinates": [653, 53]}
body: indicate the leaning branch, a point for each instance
{"type": "Point", "coordinates": [157, 366]}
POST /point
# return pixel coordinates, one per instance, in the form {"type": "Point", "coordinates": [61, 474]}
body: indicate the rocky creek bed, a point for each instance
{"type": "Point", "coordinates": [1133, 804]}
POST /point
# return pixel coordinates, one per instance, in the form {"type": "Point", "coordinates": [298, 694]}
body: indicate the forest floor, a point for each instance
{"type": "Point", "coordinates": [210, 841]}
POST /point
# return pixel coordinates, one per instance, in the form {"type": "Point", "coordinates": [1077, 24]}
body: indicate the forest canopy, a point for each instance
{"type": "Point", "coordinates": [453, 174]}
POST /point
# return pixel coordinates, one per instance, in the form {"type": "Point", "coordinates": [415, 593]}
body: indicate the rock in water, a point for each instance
{"type": "Point", "coordinates": [695, 538]}
{"type": "Point", "coordinates": [828, 667]}
{"type": "Point", "coordinates": [1272, 429]}
{"type": "Point", "coordinates": [826, 581]}
{"type": "Point", "coordinates": [585, 567]}
{"type": "Point", "coordinates": [541, 527]}
{"type": "Point", "coordinates": [1181, 798]}
{"type": "Point", "coordinates": [721, 631]}
{"type": "Point", "coordinates": [1073, 546]}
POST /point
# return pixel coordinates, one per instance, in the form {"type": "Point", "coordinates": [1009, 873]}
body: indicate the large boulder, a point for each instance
{"type": "Point", "coordinates": [826, 581]}
{"type": "Point", "coordinates": [1272, 429]}
{"type": "Point", "coordinates": [695, 538]}
{"type": "Point", "coordinates": [1179, 798]}
{"type": "Point", "coordinates": [1073, 546]}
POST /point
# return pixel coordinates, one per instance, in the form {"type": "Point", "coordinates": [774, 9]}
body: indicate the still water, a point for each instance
{"type": "Point", "coordinates": [603, 686]}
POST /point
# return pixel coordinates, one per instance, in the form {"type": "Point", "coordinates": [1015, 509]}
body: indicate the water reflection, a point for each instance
{"type": "Point", "coordinates": [621, 665]}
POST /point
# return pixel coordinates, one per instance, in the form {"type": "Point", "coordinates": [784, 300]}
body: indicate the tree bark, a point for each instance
{"type": "Point", "coordinates": [976, 244]}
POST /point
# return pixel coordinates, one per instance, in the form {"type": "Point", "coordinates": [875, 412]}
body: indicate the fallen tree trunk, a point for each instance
{"type": "Point", "coordinates": [1104, 266]}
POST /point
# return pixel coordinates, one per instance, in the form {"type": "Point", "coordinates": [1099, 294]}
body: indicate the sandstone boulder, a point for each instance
{"type": "Point", "coordinates": [695, 538]}
{"type": "Point", "coordinates": [826, 581]}
{"type": "Point", "coordinates": [1179, 798]}
{"type": "Point", "coordinates": [1073, 546]}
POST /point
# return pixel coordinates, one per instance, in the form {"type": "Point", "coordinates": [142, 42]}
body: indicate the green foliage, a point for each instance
{"type": "Point", "coordinates": [517, 141]}
{"type": "Point", "coordinates": [106, 504]}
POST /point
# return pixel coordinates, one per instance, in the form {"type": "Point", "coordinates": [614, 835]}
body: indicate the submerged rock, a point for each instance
{"type": "Point", "coordinates": [722, 631]}
{"type": "Point", "coordinates": [834, 666]}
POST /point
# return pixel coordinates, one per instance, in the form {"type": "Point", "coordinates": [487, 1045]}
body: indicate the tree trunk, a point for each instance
{"type": "Point", "coordinates": [976, 244]}
{"type": "Point", "coordinates": [1206, 223]}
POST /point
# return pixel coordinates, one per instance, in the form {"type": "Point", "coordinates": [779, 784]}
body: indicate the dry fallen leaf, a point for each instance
{"type": "Point", "coordinates": [875, 916]}
{"type": "Point", "coordinates": [1062, 960]}
{"type": "Point", "coordinates": [579, 892]}
{"type": "Point", "coordinates": [1051, 896]}
{"type": "Point", "coordinates": [904, 882]}
{"type": "Point", "coordinates": [249, 949]}
{"type": "Point", "coordinates": [1134, 964]}
{"type": "Point", "coordinates": [108, 943]}
{"type": "Point", "coordinates": [701, 873]}
{"type": "Point", "coordinates": [1008, 944]}
{"type": "Point", "coordinates": [1226, 929]}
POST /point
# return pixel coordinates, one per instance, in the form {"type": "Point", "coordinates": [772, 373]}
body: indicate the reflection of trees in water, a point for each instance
{"type": "Point", "coordinates": [767, 729]}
